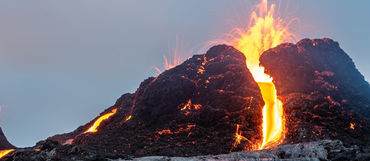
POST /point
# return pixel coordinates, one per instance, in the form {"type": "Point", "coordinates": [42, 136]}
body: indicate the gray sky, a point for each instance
{"type": "Point", "coordinates": [64, 62]}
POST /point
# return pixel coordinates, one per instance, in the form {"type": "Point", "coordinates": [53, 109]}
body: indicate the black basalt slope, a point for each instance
{"type": "Point", "coordinates": [191, 109]}
{"type": "Point", "coordinates": [324, 95]}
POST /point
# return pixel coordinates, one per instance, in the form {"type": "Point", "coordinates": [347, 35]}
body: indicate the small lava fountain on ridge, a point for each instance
{"type": "Point", "coordinates": [175, 60]}
{"type": "Point", "coordinates": [265, 30]}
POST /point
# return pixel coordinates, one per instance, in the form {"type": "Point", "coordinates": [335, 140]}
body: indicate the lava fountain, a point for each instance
{"type": "Point", "coordinates": [265, 30]}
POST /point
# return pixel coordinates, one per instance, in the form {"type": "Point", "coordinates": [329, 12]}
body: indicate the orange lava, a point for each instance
{"type": "Point", "coordinates": [128, 118]}
{"type": "Point", "coordinates": [169, 64]}
{"type": "Point", "coordinates": [5, 152]}
{"type": "Point", "coordinates": [173, 61]}
{"type": "Point", "coordinates": [265, 31]}
{"type": "Point", "coordinates": [188, 107]}
{"type": "Point", "coordinates": [238, 137]}
{"type": "Point", "coordinates": [94, 127]}
{"type": "Point", "coordinates": [273, 116]}
{"type": "Point", "coordinates": [176, 61]}
{"type": "Point", "coordinates": [165, 131]}
{"type": "Point", "coordinates": [352, 126]}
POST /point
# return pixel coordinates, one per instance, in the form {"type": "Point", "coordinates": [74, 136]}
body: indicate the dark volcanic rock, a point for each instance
{"type": "Point", "coordinates": [4, 143]}
{"type": "Point", "coordinates": [323, 150]}
{"type": "Point", "coordinates": [324, 95]}
{"type": "Point", "coordinates": [192, 109]}
{"type": "Point", "coordinates": [49, 150]}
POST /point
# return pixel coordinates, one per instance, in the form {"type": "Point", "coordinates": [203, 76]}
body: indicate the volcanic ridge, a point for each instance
{"type": "Point", "coordinates": [210, 104]}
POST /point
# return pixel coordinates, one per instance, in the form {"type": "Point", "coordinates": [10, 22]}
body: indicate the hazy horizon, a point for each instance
{"type": "Point", "coordinates": [64, 62]}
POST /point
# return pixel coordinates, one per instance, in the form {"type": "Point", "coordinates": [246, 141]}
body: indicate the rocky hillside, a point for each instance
{"type": "Point", "coordinates": [192, 109]}
{"type": "Point", "coordinates": [324, 95]}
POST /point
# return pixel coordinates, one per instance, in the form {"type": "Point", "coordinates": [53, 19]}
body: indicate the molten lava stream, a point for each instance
{"type": "Point", "coordinates": [5, 152]}
{"type": "Point", "coordinates": [273, 123]}
{"type": "Point", "coordinates": [265, 30]}
{"type": "Point", "coordinates": [94, 127]}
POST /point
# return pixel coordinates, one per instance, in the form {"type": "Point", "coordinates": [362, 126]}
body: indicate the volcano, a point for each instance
{"type": "Point", "coordinates": [210, 104]}
{"type": "Point", "coordinates": [190, 109]}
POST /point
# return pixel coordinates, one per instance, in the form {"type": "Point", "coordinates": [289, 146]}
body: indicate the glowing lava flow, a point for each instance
{"type": "Point", "coordinates": [5, 152]}
{"type": "Point", "coordinates": [94, 127]}
{"type": "Point", "coordinates": [265, 31]}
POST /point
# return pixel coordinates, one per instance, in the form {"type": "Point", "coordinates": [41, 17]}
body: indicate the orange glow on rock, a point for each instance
{"type": "Point", "coordinates": [352, 126]}
{"type": "Point", "coordinates": [197, 106]}
{"type": "Point", "coordinates": [174, 60]}
{"type": "Point", "coordinates": [188, 107]}
{"type": "Point", "coordinates": [94, 127]}
{"type": "Point", "coordinates": [128, 118]}
{"type": "Point", "coordinates": [168, 64]}
{"type": "Point", "coordinates": [265, 31]}
{"type": "Point", "coordinates": [68, 142]}
{"type": "Point", "coordinates": [165, 131]}
{"type": "Point", "coordinates": [238, 137]}
{"type": "Point", "coordinates": [5, 152]}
